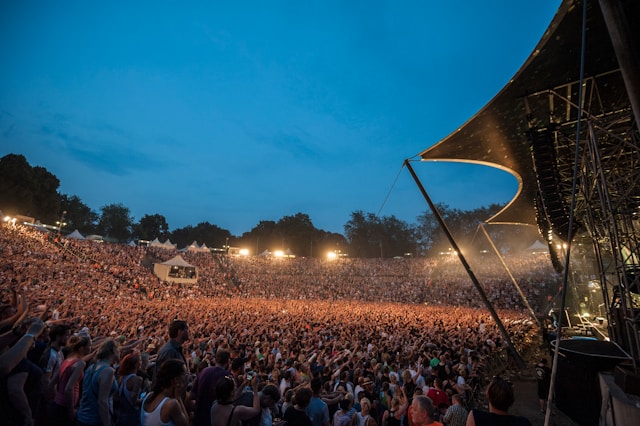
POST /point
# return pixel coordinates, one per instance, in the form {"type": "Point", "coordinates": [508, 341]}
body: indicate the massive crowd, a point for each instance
{"type": "Point", "coordinates": [294, 318]}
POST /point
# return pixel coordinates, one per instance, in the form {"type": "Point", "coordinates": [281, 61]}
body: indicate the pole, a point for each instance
{"type": "Point", "coordinates": [476, 283]}
{"type": "Point", "coordinates": [626, 52]}
{"type": "Point", "coordinates": [513, 280]}
{"type": "Point", "coordinates": [576, 158]}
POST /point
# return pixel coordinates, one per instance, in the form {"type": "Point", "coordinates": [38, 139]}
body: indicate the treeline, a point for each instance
{"type": "Point", "coordinates": [33, 191]}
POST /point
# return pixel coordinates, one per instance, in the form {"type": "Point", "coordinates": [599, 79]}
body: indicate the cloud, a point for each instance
{"type": "Point", "coordinates": [100, 146]}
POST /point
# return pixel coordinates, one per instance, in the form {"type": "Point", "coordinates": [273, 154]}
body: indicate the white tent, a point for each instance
{"type": "Point", "coordinates": [166, 245]}
{"type": "Point", "coordinates": [76, 235]}
{"type": "Point", "coordinates": [176, 270]}
{"type": "Point", "coordinates": [538, 247]}
{"type": "Point", "coordinates": [169, 244]}
{"type": "Point", "coordinates": [193, 246]}
{"type": "Point", "coordinates": [156, 243]}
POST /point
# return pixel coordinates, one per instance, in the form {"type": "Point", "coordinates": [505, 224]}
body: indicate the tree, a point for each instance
{"type": "Point", "coordinates": [16, 185]}
{"type": "Point", "coordinates": [46, 198]}
{"type": "Point", "coordinates": [360, 232]}
{"type": "Point", "coordinates": [461, 224]}
{"type": "Point", "coordinates": [261, 237]}
{"type": "Point", "coordinates": [372, 236]}
{"type": "Point", "coordinates": [152, 226]}
{"type": "Point", "coordinates": [79, 216]}
{"type": "Point", "coordinates": [26, 190]}
{"type": "Point", "coordinates": [115, 222]}
{"type": "Point", "coordinates": [204, 232]}
{"type": "Point", "coordinates": [297, 233]}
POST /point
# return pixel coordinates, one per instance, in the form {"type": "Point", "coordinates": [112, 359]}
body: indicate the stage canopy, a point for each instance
{"type": "Point", "coordinates": [497, 135]}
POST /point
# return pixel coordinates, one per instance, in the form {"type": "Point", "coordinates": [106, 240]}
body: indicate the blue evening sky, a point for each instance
{"type": "Point", "coordinates": [236, 112]}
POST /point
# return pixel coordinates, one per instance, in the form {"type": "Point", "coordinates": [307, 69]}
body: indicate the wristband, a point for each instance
{"type": "Point", "coordinates": [30, 335]}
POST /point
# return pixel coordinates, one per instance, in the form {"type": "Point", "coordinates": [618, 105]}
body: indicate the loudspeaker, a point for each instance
{"type": "Point", "coordinates": [548, 178]}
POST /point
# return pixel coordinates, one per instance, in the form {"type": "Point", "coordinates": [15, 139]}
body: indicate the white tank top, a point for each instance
{"type": "Point", "coordinates": [153, 418]}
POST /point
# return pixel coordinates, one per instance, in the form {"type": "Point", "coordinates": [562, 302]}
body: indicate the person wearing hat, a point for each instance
{"type": "Point", "coordinates": [371, 395]}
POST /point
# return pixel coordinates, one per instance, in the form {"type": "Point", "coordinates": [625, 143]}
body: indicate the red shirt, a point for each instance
{"type": "Point", "coordinates": [438, 396]}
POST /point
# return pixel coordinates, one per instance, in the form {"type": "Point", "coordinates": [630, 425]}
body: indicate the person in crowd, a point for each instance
{"type": "Point", "coordinates": [296, 414]}
{"type": "Point", "coordinates": [178, 335]}
{"type": "Point", "coordinates": [223, 410]}
{"type": "Point", "coordinates": [342, 417]}
{"type": "Point", "coordinates": [164, 405]}
{"type": "Point", "coordinates": [543, 378]}
{"type": "Point", "coordinates": [461, 386]}
{"type": "Point", "coordinates": [437, 394]}
{"type": "Point", "coordinates": [65, 401]}
{"type": "Point", "coordinates": [364, 418]}
{"type": "Point", "coordinates": [99, 386]}
{"type": "Point", "coordinates": [285, 382]}
{"type": "Point", "coordinates": [269, 397]}
{"type": "Point", "coordinates": [129, 388]}
{"type": "Point", "coordinates": [501, 397]}
{"type": "Point", "coordinates": [52, 358]}
{"type": "Point", "coordinates": [456, 414]}
{"type": "Point", "coordinates": [203, 391]}
{"type": "Point", "coordinates": [422, 411]}
{"type": "Point", "coordinates": [20, 343]}
{"type": "Point", "coordinates": [288, 400]}
{"type": "Point", "coordinates": [318, 410]}
{"type": "Point", "coordinates": [397, 409]}
{"type": "Point", "coordinates": [385, 396]}
{"type": "Point", "coordinates": [21, 388]}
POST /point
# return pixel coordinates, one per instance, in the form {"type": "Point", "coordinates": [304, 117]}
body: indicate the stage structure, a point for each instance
{"type": "Point", "coordinates": [566, 126]}
{"type": "Point", "coordinates": [574, 101]}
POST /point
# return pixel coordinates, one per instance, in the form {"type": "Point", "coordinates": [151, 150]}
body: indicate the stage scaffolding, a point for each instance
{"type": "Point", "coordinates": [606, 237]}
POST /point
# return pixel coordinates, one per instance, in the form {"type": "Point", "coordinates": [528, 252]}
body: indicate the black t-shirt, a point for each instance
{"type": "Point", "coordinates": [483, 418]}
{"type": "Point", "coordinates": [295, 417]}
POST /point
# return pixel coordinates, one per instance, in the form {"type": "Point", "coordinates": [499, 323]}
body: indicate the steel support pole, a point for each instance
{"type": "Point", "coordinates": [513, 279]}
{"type": "Point", "coordinates": [476, 283]}
{"type": "Point", "coordinates": [626, 51]}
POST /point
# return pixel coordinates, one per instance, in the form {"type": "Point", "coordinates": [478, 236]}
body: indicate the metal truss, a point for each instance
{"type": "Point", "coordinates": [605, 268]}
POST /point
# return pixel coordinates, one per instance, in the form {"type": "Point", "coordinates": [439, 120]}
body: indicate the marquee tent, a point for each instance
{"type": "Point", "coordinates": [197, 248]}
{"type": "Point", "coordinates": [176, 270]}
{"type": "Point", "coordinates": [538, 247]}
{"type": "Point", "coordinates": [76, 235]}
{"type": "Point", "coordinates": [166, 245]}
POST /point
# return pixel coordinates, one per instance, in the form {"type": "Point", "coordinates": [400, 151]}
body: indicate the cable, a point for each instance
{"type": "Point", "coordinates": [395, 181]}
